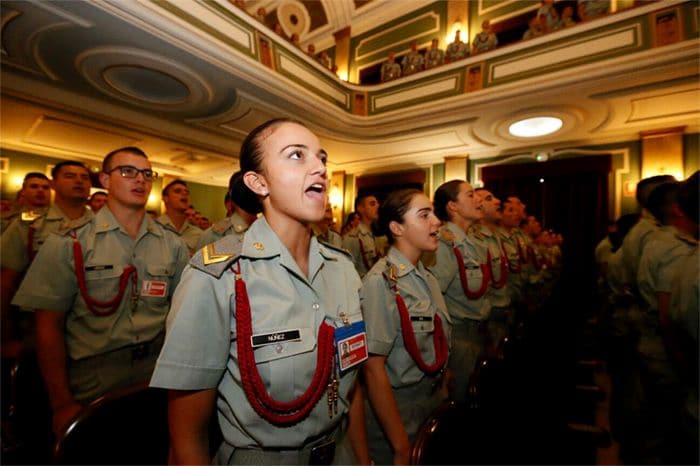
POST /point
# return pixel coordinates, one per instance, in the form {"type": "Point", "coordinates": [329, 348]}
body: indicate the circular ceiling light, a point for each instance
{"type": "Point", "coordinates": [534, 127]}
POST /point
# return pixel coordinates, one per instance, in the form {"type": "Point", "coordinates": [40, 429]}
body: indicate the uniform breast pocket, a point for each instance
{"type": "Point", "coordinates": [422, 323]}
{"type": "Point", "coordinates": [102, 281]}
{"type": "Point", "coordinates": [157, 285]}
{"type": "Point", "coordinates": [474, 276]}
{"type": "Point", "coordinates": [285, 359]}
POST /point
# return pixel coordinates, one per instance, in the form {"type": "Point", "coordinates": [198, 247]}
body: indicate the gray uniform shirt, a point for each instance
{"type": "Point", "coordinates": [659, 265]}
{"type": "Point", "coordinates": [51, 283]}
{"type": "Point", "coordinates": [421, 293]}
{"type": "Point", "coordinates": [447, 274]}
{"type": "Point", "coordinates": [188, 232]}
{"type": "Point", "coordinates": [484, 237]}
{"type": "Point", "coordinates": [685, 309]}
{"type": "Point", "coordinates": [200, 349]}
{"type": "Point", "coordinates": [15, 240]}
{"type": "Point", "coordinates": [233, 225]}
{"type": "Point", "coordinates": [362, 246]}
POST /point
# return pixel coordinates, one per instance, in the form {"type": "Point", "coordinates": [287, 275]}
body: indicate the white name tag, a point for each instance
{"type": "Point", "coordinates": [154, 289]}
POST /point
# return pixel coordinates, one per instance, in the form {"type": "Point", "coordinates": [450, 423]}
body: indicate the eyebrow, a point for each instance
{"type": "Point", "coordinates": [303, 146]}
{"type": "Point", "coordinates": [425, 209]}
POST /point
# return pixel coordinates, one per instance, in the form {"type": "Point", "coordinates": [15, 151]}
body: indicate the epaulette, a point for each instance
{"type": "Point", "coordinates": [29, 216]}
{"type": "Point", "coordinates": [69, 225]}
{"type": "Point", "coordinates": [221, 226]}
{"type": "Point", "coordinates": [446, 235]}
{"type": "Point", "coordinates": [475, 231]}
{"type": "Point", "coordinates": [345, 252]}
{"type": "Point", "coordinates": [216, 257]}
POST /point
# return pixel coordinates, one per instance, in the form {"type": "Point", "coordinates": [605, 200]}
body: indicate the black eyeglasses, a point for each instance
{"type": "Point", "coordinates": [127, 171]}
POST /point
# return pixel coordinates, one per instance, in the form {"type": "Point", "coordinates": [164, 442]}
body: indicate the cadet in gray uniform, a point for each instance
{"type": "Point", "coordinates": [323, 230]}
{"type": "Point", "coordinates": [434, 57]}
{"type": "Point", "coordinates": [412, 62]}
{"type": "Point", "coordinates": [240, 220]}
{"type": "Point", "coordinates": [176, 197]}
{"type": "Point", "coordinates": [390, 69]}
{"type": "Point", "coordinates": [252, 327]}
{"type": "Point", "coordinates": [407, 329]}
{"type": "Point", "coordinates": [456, 50]}
{"type": "Point", "coordinates": [22, 240]}
{"type": "Point", "coordinates": [498, 293]}
{"type": "Point", "coordinates": [462, 271]}
{"type": "Point", "coordinates": [360, 242]}
{"type": "Point", "coordinates": [100, 289]}
{"type": "Point", "coordinates": [32, 200]}
{"type": "Point", "coordinates": [658, 345]}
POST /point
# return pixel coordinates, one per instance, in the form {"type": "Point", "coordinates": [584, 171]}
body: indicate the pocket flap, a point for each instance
{"type": "Point", "coordinates": [284, 348]}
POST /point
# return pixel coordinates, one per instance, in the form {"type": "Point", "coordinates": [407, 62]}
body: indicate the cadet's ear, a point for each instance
{"type": "Point", "coordinates": [451, 207]}
{"type": "Point", "coordinates": [104, 180]}
{"type": "Point", "coordinates": [256, 183]}
{"type": "Point", "coordinates": [396, 229]}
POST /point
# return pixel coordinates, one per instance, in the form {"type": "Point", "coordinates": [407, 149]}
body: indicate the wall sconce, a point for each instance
{"type": "Point", "coordinates": [335, 197]}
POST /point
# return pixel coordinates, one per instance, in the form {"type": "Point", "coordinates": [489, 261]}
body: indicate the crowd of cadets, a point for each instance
{"type": "Point", "coordinates": [100, 281]}
{"type": "Point", "coordinates": [649, 270]}
{"type": "Point", "coordinates": [548, 18]}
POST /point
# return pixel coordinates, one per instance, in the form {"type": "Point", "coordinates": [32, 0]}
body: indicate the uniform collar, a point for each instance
{"type": "Point", "coordinates": [166, 221]}
{"type": "Point", "coordinates": [686, 238]}
{"type": "Point", "coordinates": [364, 229]}
{"type": "Point", "coordinates": [55, 213]}
{"type": "Point", "coordinates": [261, 242]}
{"type": "Point", "coordinates": [402, 265]}
{"type": "Point", "coordinates": [105, 221]}
{"type": "Point", "coordinates": [456, 231]}
{"type": "Point", "coordinates": [239, 225]}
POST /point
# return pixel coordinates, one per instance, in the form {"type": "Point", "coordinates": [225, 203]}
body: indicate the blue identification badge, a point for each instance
{"type": "Point", "coordinates": [351, 344]}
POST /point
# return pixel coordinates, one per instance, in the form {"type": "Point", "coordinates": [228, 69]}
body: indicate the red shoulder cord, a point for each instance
{"type": "Point", "coordinates": [282, 413]}
{"type": "Point", "coordinates": [503, 277]}
{"type": "Point", "coordinates": [362, 253]}
{"type": "Point", "coordinates": [409, 336]}
{"type": "Point", "coordinates": [108, 307]}
{"type": "Point", "coordinates": [485, 272]}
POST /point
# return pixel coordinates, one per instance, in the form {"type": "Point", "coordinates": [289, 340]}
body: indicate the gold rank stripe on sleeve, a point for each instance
{"type": "Point", "coordinates": [209, 256]}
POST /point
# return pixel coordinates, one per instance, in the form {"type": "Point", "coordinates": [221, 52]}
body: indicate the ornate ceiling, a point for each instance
{"type": "Point", "coordinates": [81, 78]}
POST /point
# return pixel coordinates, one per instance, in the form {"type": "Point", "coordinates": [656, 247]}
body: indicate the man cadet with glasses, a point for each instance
{"type": "Point", "coordinates": [100, 289]}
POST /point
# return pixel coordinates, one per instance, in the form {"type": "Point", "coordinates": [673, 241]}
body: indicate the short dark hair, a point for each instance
{"type": "Point", "coordinates": [362, 197]}
{"type": "Point", "coordinates": [393, 209]}
{"type": "Point", "coordinates": [30, 175]}
{"type": "Point", "coordinates": [661, 200]}
{"type": "Point", "coordinates": [67, 163]}
{"type": "Point", "coordinates": [130, 149]}
{"type": "Point", "coordinates": [647, 185]}
{"type": "Point", "coordinates": [445, 193]}
{"type": "Point", "coordinates": [165, 190]}
{"type": "Point", "coordinates": [97, 193]}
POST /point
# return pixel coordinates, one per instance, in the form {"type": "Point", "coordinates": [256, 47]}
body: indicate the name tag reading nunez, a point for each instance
{"type": "Point", "coordinates": [275, 337]}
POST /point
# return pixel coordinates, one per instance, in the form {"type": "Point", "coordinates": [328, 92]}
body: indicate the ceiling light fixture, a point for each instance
{"type": "Point", "coordinates": [535, 127]}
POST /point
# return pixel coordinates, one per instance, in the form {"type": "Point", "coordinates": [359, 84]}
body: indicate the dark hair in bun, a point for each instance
{"type": "Point", "coordinates": [243, 197]}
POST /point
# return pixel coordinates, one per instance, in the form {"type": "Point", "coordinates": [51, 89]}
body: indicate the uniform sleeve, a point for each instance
{"type": "Point", "coordinates": [182, 256]}
{"type": "Point", "coordinates": [50, 282]}
{"type": "Point", "coordinates": [352, 245]}
{"type": "Point", "coordinates": [14, 247]}
{"type": "Point", "coordinates": [445, 268]}
{"type": "Point", "coordinates": [669, 262]}
{"type": "Point", "coordinates": [197, 335]}
{"type": "Point", "coordinates": [380, 314]}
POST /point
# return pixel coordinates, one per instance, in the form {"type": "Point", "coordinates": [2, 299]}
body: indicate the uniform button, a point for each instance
{"type": "Point", "coordinates": [316, 306]}
{"type": "Point", "coordinates": [279, 348]}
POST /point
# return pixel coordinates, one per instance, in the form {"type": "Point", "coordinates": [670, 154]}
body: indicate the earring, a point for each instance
{"type": "Point", "coordinates": [265, 194]}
